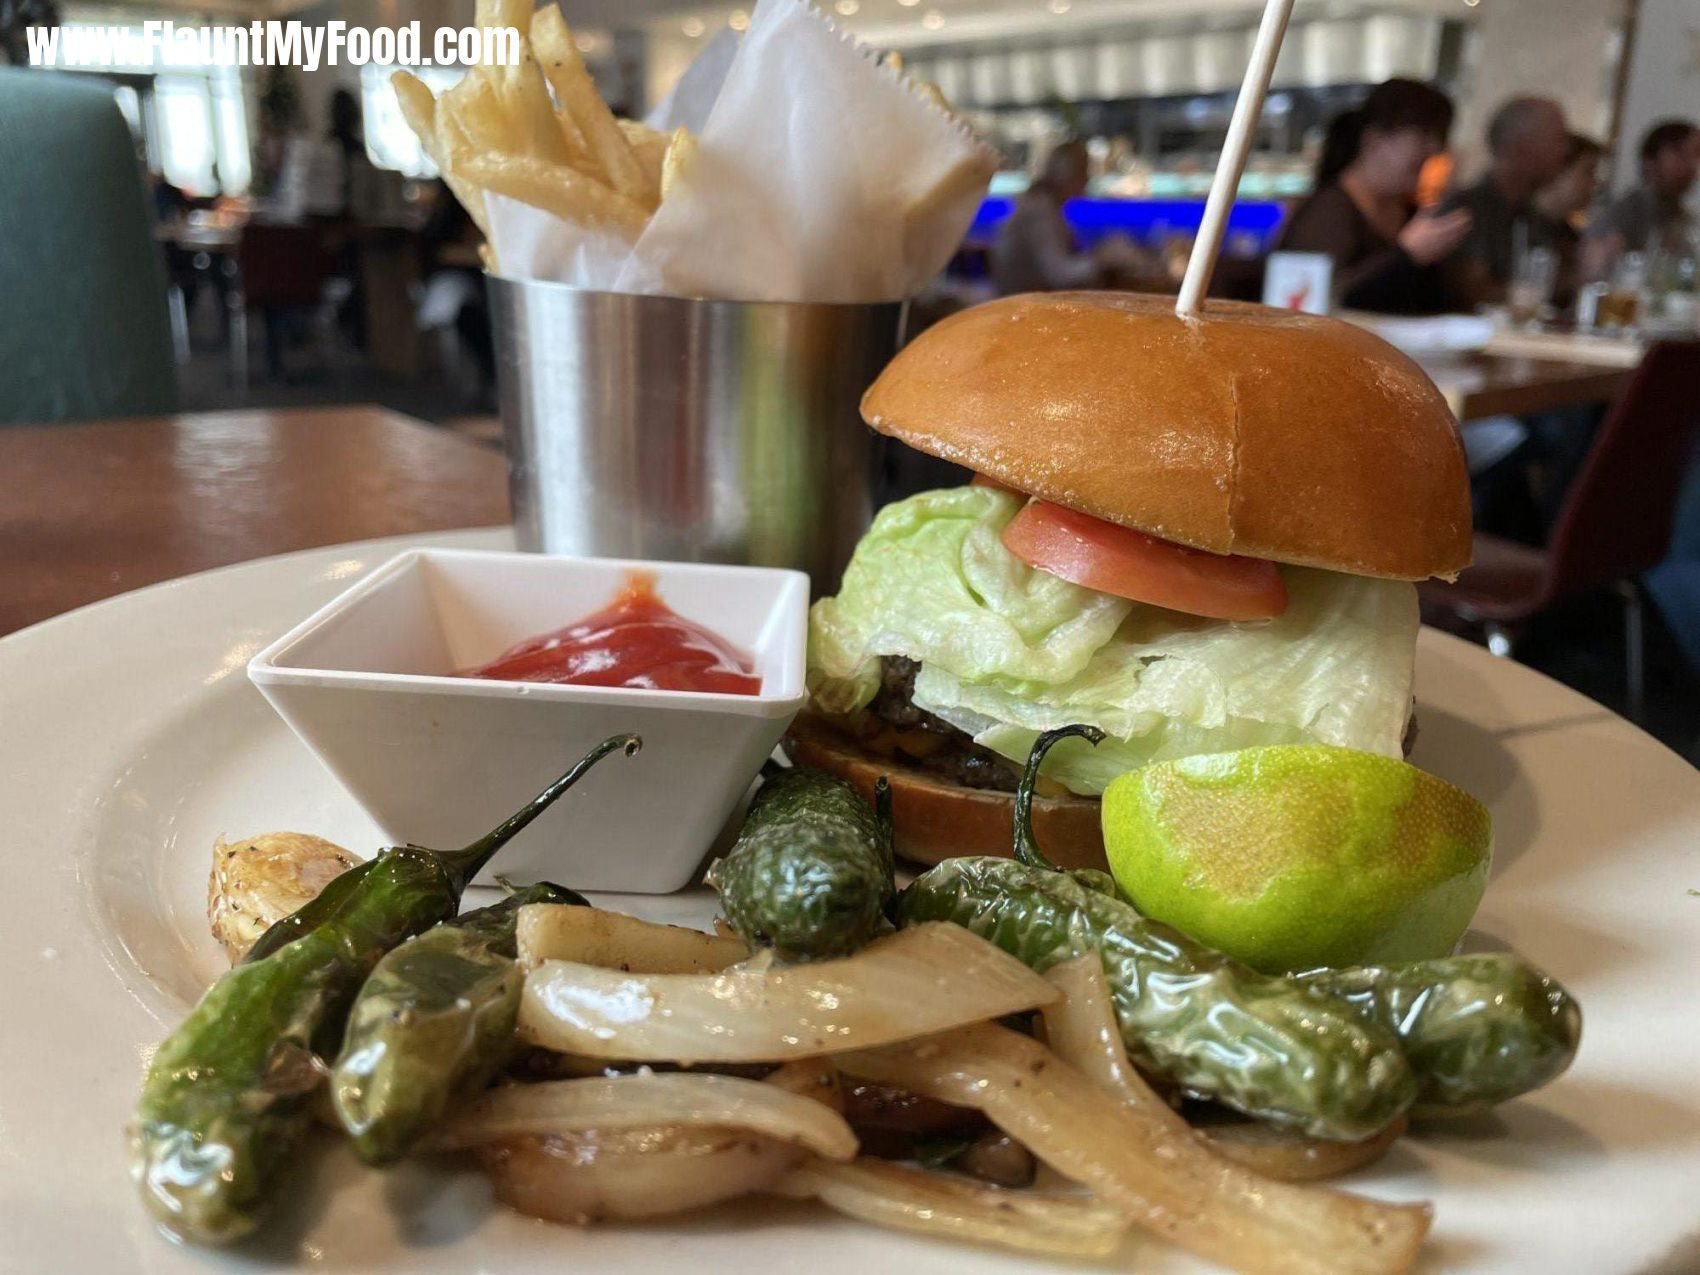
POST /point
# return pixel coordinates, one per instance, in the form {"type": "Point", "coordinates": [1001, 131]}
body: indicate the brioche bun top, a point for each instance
{"type": "Point", "coordinates": [1247, 430]}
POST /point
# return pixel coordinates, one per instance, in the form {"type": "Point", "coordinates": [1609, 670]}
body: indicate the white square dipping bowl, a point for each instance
{"type": "Point", "coordinates": [439, 760]}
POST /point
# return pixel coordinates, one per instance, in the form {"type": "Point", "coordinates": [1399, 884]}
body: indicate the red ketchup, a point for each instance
{"type": "Point", "coordinates": [637, 640]}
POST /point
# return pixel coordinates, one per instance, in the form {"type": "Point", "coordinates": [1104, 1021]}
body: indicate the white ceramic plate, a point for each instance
{"type": "Point", "coordinates": [129, 739]}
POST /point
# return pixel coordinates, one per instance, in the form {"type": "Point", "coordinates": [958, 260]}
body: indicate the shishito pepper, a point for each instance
{"type": "Point", "coordinates": [1478, 1029]}
{"type": "Point", "coordinates": [434, 1019]}
{"type": "Point", "coordinates": [225, 1098]}
{"type": "Point", "coordinates": [1263, 1045]}
{"type": "Point", "coordinates": [811, 873]}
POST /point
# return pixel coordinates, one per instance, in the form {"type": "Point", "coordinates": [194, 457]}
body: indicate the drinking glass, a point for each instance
{"type": "Point", "coordinates": [1620, 307]}
{"type": "Point", "coordinates": [1533, 280]}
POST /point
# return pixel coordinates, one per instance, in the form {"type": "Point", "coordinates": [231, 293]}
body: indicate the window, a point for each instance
{"type": "Point", "coordinates": [390, 143]}
{"type": "Point", "coordinates": [230, 132]}
{"type": "Point", "coordinates": [130, 103]}
{"type": "Point", "coordinates": [193, 120]}
{"type": "Point", "coordinates": [188, 152]}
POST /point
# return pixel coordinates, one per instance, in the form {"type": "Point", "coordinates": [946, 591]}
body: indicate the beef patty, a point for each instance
{"type": "Point", "coordinates": [891, 725]}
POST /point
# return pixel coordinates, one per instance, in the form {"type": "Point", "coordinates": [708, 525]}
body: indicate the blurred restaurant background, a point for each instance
{"type": "Point", "coordinates": [1548, 277]}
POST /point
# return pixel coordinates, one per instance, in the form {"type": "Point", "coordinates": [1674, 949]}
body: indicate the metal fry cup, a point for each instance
{"type": "Point", "coordinates": [688, 430]}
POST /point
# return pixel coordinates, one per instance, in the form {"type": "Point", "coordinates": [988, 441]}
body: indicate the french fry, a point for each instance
{"type": "Point", "coordinates": [497, 130]}
{"type": "Point", "coordinates": [649, 145]}
{"type": "Point", "coordinates": [525, 98]}
{"type": "Point", "coordinates": [516, 14]}
{"type": "Point", "coordinates": [583, 160]}
{"type": "Point", "coordinates": [641, 135]}
{"type": "Point", "coordinates": [451, 143]}
{"type": "Point", "coordinates": [555, 188]}
{"type": "Point", "coordinates": [681, 147]}
{"type": "Point", "coordinates": [452, 138]}
{"type": "Point", "coordinates": [502, 13]}
{"type": "Point", "coordinates": [419, 109]}
{"type": "Point", "coordinates": [577, 95]}
{"type": "Point", "coordinates": [475, 104]}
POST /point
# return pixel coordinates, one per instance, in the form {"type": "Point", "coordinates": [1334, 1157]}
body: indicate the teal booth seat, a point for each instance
{"type": "Point", "coordinates": [84, 329]}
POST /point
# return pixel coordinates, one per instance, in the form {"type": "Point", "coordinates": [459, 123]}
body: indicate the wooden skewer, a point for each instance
{"type": "Point", "coordinates": [1225, 186]}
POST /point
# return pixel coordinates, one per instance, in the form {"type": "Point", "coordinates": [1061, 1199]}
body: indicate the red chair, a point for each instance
{"type": "Point", "coordinates": [1615, 522]}
{"type": "Point", "coordinates": [281, 269]}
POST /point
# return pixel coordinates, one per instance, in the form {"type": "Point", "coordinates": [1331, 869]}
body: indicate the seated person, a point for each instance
{"type": "Point", "coordinates": [1363, 212]}
{"type": "Point", "coordinates": [1651, 216]}
{"type": "Point", "coordinates": [1560, 208]}
{"type": "Point", "coordinates": [1036, 250]}
{"type": "Point", "coordinates": [1529, 146]}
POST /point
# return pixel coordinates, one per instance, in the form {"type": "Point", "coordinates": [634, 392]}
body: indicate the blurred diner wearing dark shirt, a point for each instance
{"type": "Point", "coordinates": [1560, 209]}
{"type": "Point", "coordinates": [1651, 217]}
{"type": "Point", "coordinates": [1363, 213]}
{"type": "Point", "coordinates": [1529, 147]}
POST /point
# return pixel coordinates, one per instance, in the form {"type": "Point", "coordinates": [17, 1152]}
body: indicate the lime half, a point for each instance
{"type": "Point", "coordinates": [1298, 856]}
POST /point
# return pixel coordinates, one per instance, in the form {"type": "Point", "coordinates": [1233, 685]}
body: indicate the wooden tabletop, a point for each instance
{"type": "Point", "coordinates": [87, 511]}
{"type": "Point", "coordinates": [1494, 385]}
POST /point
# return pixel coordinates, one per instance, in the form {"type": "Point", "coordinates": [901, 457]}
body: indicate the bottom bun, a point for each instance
{"type": "Point", "coordinates": [933, 819]}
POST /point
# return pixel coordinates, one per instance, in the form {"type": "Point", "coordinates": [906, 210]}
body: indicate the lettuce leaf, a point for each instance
{"type": "Point", "coordinates": [932, 580]}
{"type": "Point", "coordinates": [1007, 651]}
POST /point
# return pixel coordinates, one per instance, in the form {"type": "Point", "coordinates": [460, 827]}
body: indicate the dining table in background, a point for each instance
{"type": "Point", "coordinates": [92, 510]}
{"type": "Point", "coordinates": [1478, 386]}
{"type": "Point", "coordinates": [212, 235]}
{"type": "Point", "coordinates": [1487, 369]}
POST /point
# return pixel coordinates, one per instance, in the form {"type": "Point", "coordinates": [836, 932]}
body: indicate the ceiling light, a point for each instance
{"type": "Point", "coordinates": [908, 4]}
{"type": "Point", "coordinates": [739, 20]}
{"type": "Point", "coordinates": [693, 27]}
{"type": "Point", "coordinates": [1471, 3]}
{"type": "Point", "coordinates": [1057, 6]}
{"type": "Point", "coordinates": [847, 7]}
{"type": "Point", "coordinates": [932, 19]}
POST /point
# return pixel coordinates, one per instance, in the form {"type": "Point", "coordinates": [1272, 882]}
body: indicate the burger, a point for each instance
{"type": "Point", "coordinates": [1198, 535]}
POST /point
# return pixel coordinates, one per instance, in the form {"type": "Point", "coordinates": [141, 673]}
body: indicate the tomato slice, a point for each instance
{"type": "Point", "coordinates": [1130, 564]}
